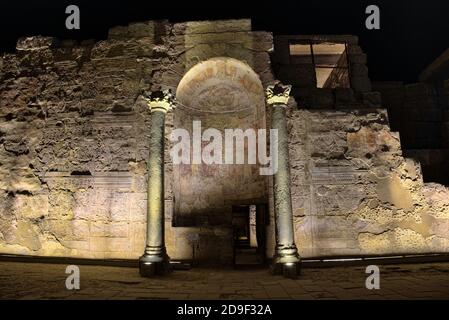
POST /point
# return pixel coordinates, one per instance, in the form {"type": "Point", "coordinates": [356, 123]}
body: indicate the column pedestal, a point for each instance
{"type": "Point", "coordinates": [151, 265]}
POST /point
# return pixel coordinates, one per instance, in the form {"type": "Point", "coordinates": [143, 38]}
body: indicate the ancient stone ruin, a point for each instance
{"type": "Point", "coordinates": [75, 131]}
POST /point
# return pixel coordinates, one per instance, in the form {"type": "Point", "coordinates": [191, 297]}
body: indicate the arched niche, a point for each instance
{"type": "Point", "coordinates": [222, 93]}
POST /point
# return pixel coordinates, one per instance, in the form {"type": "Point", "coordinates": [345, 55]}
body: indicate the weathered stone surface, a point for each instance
{"type": "Point", "coordinates": [34, 43]}
{"type": "Point", "coordinates": [358, 58]}
{"type": "Point", "coordinates": [359, 70]}
{"type": "Point", "coordinates": [344, 96]}
{"type": "Point", "coordinates": [419, 111]}
{"type": "Point", "coordinates": [390, 190]}
{"type": "Point", "coordinates": [218, 26]}
{"type": "Point", "coordinates": [357, 194]}
{"type": "Point", "coordinates": [361, 83]}
{"type": "Point", "coordinates": [437, 199]}
{"type": "Point", "coordinates": [1, 67]}
{"type": "Point", "coordinates": [74, 135]}
{"type": "Point", "coordinates": [27, 236]}
{"type": "Point", "coordinates": [372, 99]}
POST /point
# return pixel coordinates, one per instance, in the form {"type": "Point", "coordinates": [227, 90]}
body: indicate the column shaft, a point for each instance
{"type": "Point", "coordinates": [155, 202]}
{"type": "Point", "coordinates": [155, 259]}
{"type": "Point", "coordinates": [286, 258]}
{"type": "Point", "coordinates": [282, 197]}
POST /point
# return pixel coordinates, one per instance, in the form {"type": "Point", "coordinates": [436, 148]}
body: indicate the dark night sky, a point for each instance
{"type": "Point", "coordinates": [413, 33]}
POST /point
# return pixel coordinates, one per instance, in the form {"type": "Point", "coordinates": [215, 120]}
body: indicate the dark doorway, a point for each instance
{"type": "Point", "coordinates": [249, 235]}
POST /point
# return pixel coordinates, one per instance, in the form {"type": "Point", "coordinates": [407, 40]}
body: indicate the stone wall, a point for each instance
{"type": "Point", "coordinates": [73, 155]}
{"type": "Point", "coordinates": [74, 137]}
{"type": "Point", "coordinates": [303, 79]}
{"type": "Point", "coordinates": [74, 148]}
{"type": "Point", "coordinates": [354, 193]}
{"type": "Point", "coordinates": [420, 112]}
{"type": "Point", "coordinates": [415, 112]}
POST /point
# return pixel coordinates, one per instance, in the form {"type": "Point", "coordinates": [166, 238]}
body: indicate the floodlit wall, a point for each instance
{"type": "Point", "coordinates": [354, 193]}
{"type": "Point", "coordinates": [74, 148]}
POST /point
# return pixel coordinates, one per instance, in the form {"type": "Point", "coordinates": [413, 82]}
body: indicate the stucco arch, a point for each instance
{"type": "Point", "coordinates": [225, 81]}
{"type": "Point", "coordinates": [222, 93]}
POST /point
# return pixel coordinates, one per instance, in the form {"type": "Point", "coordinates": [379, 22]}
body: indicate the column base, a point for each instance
{"type": "Point", "coordinates": [289, 270]}
{"type": "Point", "coordinates": [287, 262]}
{"type": "Point", "coordinates": [150, 266]}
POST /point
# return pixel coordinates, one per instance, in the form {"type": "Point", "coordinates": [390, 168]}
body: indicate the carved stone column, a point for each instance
{"type": "Point", "coordinates": [155, 259]}
{"type": "Point", "coordinates": [286, 260]}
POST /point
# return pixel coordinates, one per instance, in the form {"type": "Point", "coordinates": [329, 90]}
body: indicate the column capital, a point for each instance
{"type": "Point", "coordinates": [278, 94]}
{"type": "Point", "coordinates": [160, 100]}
